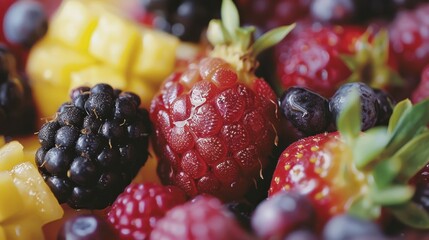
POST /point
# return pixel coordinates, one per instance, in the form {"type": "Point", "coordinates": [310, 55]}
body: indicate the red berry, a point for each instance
{"type": "Point", "coordinates": [137, 210]}
{"type": "Point", "coordinates": [202, 218]}
{"type": "Point", "coordinates": [422, 90]}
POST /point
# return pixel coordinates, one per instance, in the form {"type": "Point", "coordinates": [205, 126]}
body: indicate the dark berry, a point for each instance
{"type": "Point", "coordinates": [66, 136]}
{"type": "Point", "coordinates": [302, 234]}
{"type": "Point", "coordinates": [5, 63]}
{"type": "Point", "coordinates": [57, 161]}
{"type": "Point", "coordinates": [11, 95]}
{"type": "Point", "coordinates": [86, 227]}
{"type": "Point", "coordinates": [47, 134]}
{"type": "Point", "coordinates": [87, 155]}
{"type": "Point", "coordinates": [421, 196]}
{"type": "Point", "coordinates": [368, 98]}
{"type": "Point", "coordinates": [306, 110]}
{"type": "Point", "coordinates": [345, 226]}
{"type": "Point", "coordinates": [281, 214]}
{"type": "Point", "coordinates": [385, 104]}
{"type": "Point", "coordinates": [25, 22]}
{"type": "Point", "coordinates": [242, 211]}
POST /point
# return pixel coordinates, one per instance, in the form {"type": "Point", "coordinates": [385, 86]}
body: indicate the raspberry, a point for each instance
{"type": "Point", "coordinates": [202, 218]}
{"type": "Point", "coordinates": [136, 211]}
{"type": "Point", "coordinates": [94, 147]}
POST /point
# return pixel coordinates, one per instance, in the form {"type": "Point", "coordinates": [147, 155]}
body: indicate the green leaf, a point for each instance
{"type": "Point", "coordinates": [369, 145]}
{"type": "Point", "coordinates": [230, 17]}
{"type": "Point", "coordinates": [412, 215]}
{"type": "Point", "coordinates": [399, 110]}
{"type": "Point", "coordinates": [349, 120]}
{"type": "Point", "coordinates": [393, 195]}
{"type": "Point", "coordinates": [363, 208]}
{"type": "Point", "coordinates": [386, 171]}
{"type": "Point", "coordinates": [414, 156]}
{"type": "Point", "coordinates": [409, 124]}
{"type": "Point", "coordinates": [271, 38]}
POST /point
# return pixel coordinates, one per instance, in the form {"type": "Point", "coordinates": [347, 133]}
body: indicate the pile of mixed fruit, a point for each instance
{"type": "Point", "coordinates": [216, 120]}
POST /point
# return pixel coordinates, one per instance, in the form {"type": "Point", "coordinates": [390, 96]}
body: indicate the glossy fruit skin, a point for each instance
{"type": "Point", "coordinates": [186, 19]}
{"type": "Point", "coordinates": [348, 227]}
{"type": "Point", "coordinates": [306, 110]}
{"type": "Point", "coordinates": [213, 134]}
{"type": "Point", "coordinates": [311, 166]}
{"type": "Point", "coordinates": [369, 107]}
{"type": "Point", "coordinates": [25, 22]}
{"type": "Point", "coordinates": [94, 147]}
{"type": "Point", "coordinates": [422, 90]}
{"type": "Point", "coordinates": [281, 214]}
{"type": "Point", "coordinates": [310, 57]}
{"type": "Point", "coordinates": [134, 222]}
{"type": "Point", "coordinates": [409, 41]}
{"type": "Point", "coordinates": [86, 227]}
{"type": "Point", "coordinates": [204, 217]}
{"type": "Point", "coordinates": [385, 105]}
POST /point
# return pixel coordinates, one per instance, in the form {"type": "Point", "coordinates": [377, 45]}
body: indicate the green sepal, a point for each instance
{"type": "Point", "coordinates": [349, 119]}
{"type": "Point", "coordinates": [363, 207]}
{"type": "Point", "coordinates": [411, 214]}
{"type": "Point", "coordinates": [400, 110]}
{"type": "Point", "coordinates": [386, 171]}
{"type": "Point", "coordinates": [244, 35]}
{"type": "Point", "coordinates": [408, 125]}
{"type": "Point", "coordinates": [217, 34]}
{"type": "Point", "coordinates": [414, 155]}
{"type": "Point", "coordinates": [230, 17]}
{"type": "Point", "coordinates": [271, 38]}
{"type": "Point", "coordinates": [392, 195]}
{"type": "Point", "coordinates": [349, 60]}
{"type": "Point", "coordinates": [369, 145]}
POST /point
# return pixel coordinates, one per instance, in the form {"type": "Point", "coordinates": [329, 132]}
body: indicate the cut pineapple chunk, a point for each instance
{"type": "Point", "coordinates": [113, 41]}
{"type": "Point", "coordinates": [37, 196]}
{"type": "Point", "coordinates": [2, 233]}
{"type": "Point", "coordinates": [53, 63]}
{"type": "Point", "coordinates": [73, 24]}
{"type": "Point", "coordinates": [24, 228]}
{"type": "Point", "coordinates": [11, 154]}
{"type": "Point", "coordinates": [145, 89]}
{"type": "Point", "coordinates": [98, 74]}
{"type": "Point", "coordinates": [10, 201]}
{"type": "Point", "coordinates": [156, 56]}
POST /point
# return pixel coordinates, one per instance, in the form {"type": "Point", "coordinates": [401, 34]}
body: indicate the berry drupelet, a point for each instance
{"type": "Point", "coordinates": [94, 147]}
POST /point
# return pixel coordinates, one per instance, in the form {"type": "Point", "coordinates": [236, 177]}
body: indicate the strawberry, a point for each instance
{"type": "Point", "coordinates": [360, 173]}
{"type": "Point", "coordinates": [202, 218]}
{"type": "Point", "coordinates": [137, 210]}
{"type": "Point", "coordinates": [215, 122]}
{"type": "Point", "coordinates": [422, 90]}
{"type": "Point", "coordinates": [323, 57]}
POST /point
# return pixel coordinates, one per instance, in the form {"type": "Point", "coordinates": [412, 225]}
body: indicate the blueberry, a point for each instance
{"type": "Point", "coordinates": [340, 11]}
{"type": "Point", "coordinates": [385, 103]}
{"type": "Point", "coordinates": [306, 110]}
{"type": "Point", "coordinates": [25, 22]}
{"type": "Point", "coordinates": [281, 214]}
{"type": "Point", "coordinates": [86, 227]}
{"type": "Point", "coordinates": [345, 227]}
{"type": "Point", "coordinates": [369, 108]}
{"type": "Point", "coordinates": [301, 234]}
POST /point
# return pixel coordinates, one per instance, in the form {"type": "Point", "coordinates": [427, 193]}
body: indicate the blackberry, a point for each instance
{"type": "Point", "coordinates": [94, 147]}
{"type": "Point", "coordinates": [186, 19]}
{"type": "Point", "coordinates": [17, 114]}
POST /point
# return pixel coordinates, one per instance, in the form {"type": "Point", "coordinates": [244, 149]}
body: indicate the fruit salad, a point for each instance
{"type": "Point", "coordinates": [222, 119]}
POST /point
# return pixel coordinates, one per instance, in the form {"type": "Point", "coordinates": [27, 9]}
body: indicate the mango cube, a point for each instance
{"type": "Point", "coordinates": [24, 228]}
{"type": "Point", "coordinates": [97, 74]}
{"type": "Point", "coordinates": [2, 233]}
{"type": "Point", "coordinates": [10, 201]}
{"type": "Point", "coordinates": [154, 58]}
{"type": "Point", "coordinates": [113, 41]}
{"type": "Point", "coordinates": [73, 24]}
{"type": "Point", "coordinates": [11, 154]}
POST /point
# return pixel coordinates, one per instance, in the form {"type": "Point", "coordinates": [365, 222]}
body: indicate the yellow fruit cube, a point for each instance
{"type": "Point", "coordinates": [10, 201]}
{"type": "Point", "coordinates": [2, 233]}
{"type": "Point", "coordinates": [24, 228]}
{"type": "Point", "coordinates": [113, 41]}
{"type": "Point", "coordinates": [156, 55]}
{"type": "Point", "coordinates": [98, 74]}
{"type": "Point", "coordinates": [37, 196]}
{"type": "Point", "coordinates": [73, 24]}
{"type": "Point", "coordinates": [11, 154]}
{"type": "Point", "coordinates": [51, 62]}
{"type": "Point", "coordinates": [145, 89]}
